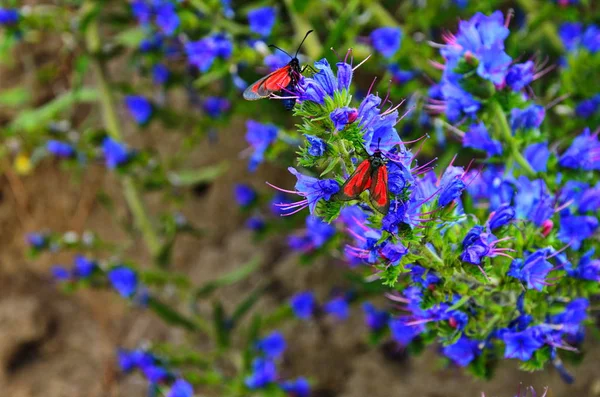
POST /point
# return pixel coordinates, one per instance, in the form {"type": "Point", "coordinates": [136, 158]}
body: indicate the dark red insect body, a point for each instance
{"type": "Point", "coordinates": [370, 174]}
{"type": "Point", "coordinates": [284, 79]}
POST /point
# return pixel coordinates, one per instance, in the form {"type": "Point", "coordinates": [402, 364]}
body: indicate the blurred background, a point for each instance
{"type": "Point", "coordinates": [57, 344]}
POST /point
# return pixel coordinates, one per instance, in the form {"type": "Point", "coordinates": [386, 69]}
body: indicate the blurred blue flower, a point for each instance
{"type": "Point", "coordinates": [36, 240]}
{"type": "Point", "coordinates": [478, 137]}
{"type": "Point", "coordinates": [520, 75]}
{"type": "Point", "coordinates": [255, 223]}
{"type": "Point", "coordinates": [296, 388]}
{"type": "Point", "coordinates": [583, 153]}
{"type": "Point", "coordinates": [375, 319]}
{"type": "Point", "coordinates": [528, 118]}
{"type": "Point", "coordinates": [533, 201]}
{"type": "Point", "coordinates": [570, 34]}
{"type": "Point", "coordinates": [129, 360]}
{"type": "Point", "coordinates": [537, 155]}
{"type": "Point", "coordinates": [316, 234]}
{"type": "Point", "coordinates": [202, 53]}
{"type": "Point", "coordinates": [262, 20]}
{"type": "Point", "coordinates": [160, 74]}
{"type": "Point", "coordinates": [576, 228]}
{"type": "Point", "coordinates": [263, 373]}
{"type": "Point", "coordinates": [337, 307]}
{"type": "Point", "coordinates": [8, 16]}
{"type": "Point", "coordinates": [215, 106]}
{"type": "Point", "coordinates": [60, 149]}
{"type": "Point", "coordinates": [83, 267]}
{"type": "Point", "coordinates": [272, 345]}
{"type": "Point", "coordinates": [259, 136]}
{"type": "Point", "coordinates": [164, 11]}
{"type": "Point", "coordinates": [501, 216]}
{"type": "Point", "coordinates": [451, 185]}
{"type": "Point", "coordinates": [245, 195]}
{"type": "Point", "coordinates": [403, 333]}
{"type": "Point", "coordinates": [115, 153]}
{"type": "Point", "coordinates": [462, 352]}
{"type": "Point", "coordinates": [533, 270]}
{"type": "Point", "coordinates": [317, 146]}
{"type": "Point", "coordinates": [124, 280]}
{"type": "Point", "coordinates": [139, 107]}
{"type": "Point", "coordinates": [423, 276]}
{"type": "Point", "coordinates": [393, 252]}
{"type": "Point", "coordinates": [400, 76]}
{"type": "Point", "coordinates": [154, 373]}
{"type": "Point", "coordinates": [60, 273]}
{"type": "Point", "coordinates": [303, 304]}
{"type": "Point", "coordinates": [522, 345]}
{"type": "Point", "coordinates": [588, 107]}
{"type": "Point", "coordinates": [181, 388]}
{"type": "Point", "coordinates": [386, 40]}
{"type": "Point", "coordinates": [591, 38]}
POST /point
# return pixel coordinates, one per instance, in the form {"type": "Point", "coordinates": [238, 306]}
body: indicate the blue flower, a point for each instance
{"type": "Point", "coordinates": [152, 43]}
{"type": "Point", "coordinates": [587, 269]}
{"type": "Point", "coordinates": [423, 276]}
{"type": "Point", "coordinates": [272, 345]}
{"type": "Point", "coordinates": [462, 352]}
{"type": "Point", "coordinates": [8, 16]}
{"type": "Point", "coordinates": [457, 319]}
{"type": "Point", "coordinates": [215, 106]}
{"type": "Point", "coordinates": [399, 177]}
{"type": "Point", "coordinates": [341, 117]}
{"type": "Point", "coordinates": [590, 200]}
{"type": "Point", "coordinates": [576, 228]}
{"type": "Point", "coordinates": [583, 153]}
{"type": "Point", "coordinates": [259, 136]}
{"type": "Point", "coordinates": [522, 345]}
{"type": "Point", "coordinates": [393, 252]}
{"type": "Point", "coordinates": [155, 373]}
{"type": "Point", "coordinates": [255, 223]}
{"type": "Point", "coordinates": [297, 388]}
{"type": "Point", "coordinates": [533, 201]}
{"type": "Point", "coordinates": [160, 74]}
{"type": "Point", "coordinates": [478, 137]}
{"type": "Point", "coordinates": [533, 270]}
{"type": "Point", "coordinates": [83, 267]}
{"type": "Point", "coordinates": [139, 107]}
{"type": "Point", "coordinates": [37, 240]}
{"type": "Point", "coordinates": [244, 195]}
{"type": "Point", "coordinates": [60, 149]}
{"type": "Point", "coordinates": [303, 305]}
{"type": "Point", "coordinates": [591, 39]}
{"type": "Point", "coordinates": [314, 189]}
{"type": "Point", "coordinates": [386, 40]}
{"type": "Point", "coordinates": [181, 388]}
{"type": "Point", "coordinates": [263, 373]}
{"type": "Point", "coordinates": [477, 245]}
{"type": "Point", "coordinates": [166, 16]}
{"type": "Point", "coordinates": [60, 273]}
{"type": "Point", "coordinates": [537, 155]}
{"type": "Point", "coordinates": [318, 232]}
{"type": "Point", "coordinates": [202, 53]}
{"type": "Point", "coordinates": [451, 185]}
{"type": "Point", "coordinates": [262, 20]}
{"type": "Point", "coordinates": [337, 307]}
{"type": "Point", "coordinates": [502, 216]}
{"type": "Point", "coordinates": [528, 118]}
{"type": "Point", "coordinates": [570, 34]}
{"type": "Point", "coordinates": [588, 107]}
{"type": "Point", "coordinates": [573, 316]}
{"type": "Point", "coordinates": [132, 359]}
{"type": "Point", "coordinates": [115, 153]}
{"type": "Point", "coordinates": [400, 76]}
{"type": "Point", "coordinates": [317, 146]}
{"type": "Point", "coordinates": [403, 333]}
{"type": "Point", "coordinates": [375, 319]}
{"type": "Point", "coordinates": [124, 280]}
{"type": "Point", "coordinates": [520, 75]}
{"type": "Point", "coordinates": [324, 83]}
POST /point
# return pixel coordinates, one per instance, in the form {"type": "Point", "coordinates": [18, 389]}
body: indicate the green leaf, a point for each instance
{"type": "Point", "coordinates": [230, 278]}
{"type": "Point", "coordinates": [170, 315]}
{"type": "Point", "coordinates": [458, 304]}
{"type": "Point", "coordinates": [200, 175]}
{"type": "Point", "coordinates": [221, 325]}
{"type": "Point", "coordinates": [14, 97]}
{"type": "Point", "coordinates": [131, 37]}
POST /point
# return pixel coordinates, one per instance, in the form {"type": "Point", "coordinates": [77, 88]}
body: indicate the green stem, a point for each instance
{"type": "Point", "coordinates": [431, 256]}
{"type": "Point", "coordinates": [312, 45]}
{"type": "Point", "coordinates": [112, 126]}
{"type": "Point", "coordinates": [509, 139]}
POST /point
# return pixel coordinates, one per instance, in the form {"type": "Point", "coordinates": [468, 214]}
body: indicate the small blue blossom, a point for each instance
{"type": "Point", "coordinates": [160, 74]}
{"type": "Point", "coordinates": [60, 273]}
{"type": "Point", "coordinates": [296, 388]}
{"type": "Point", "coordinates": [317, 146]}
{"type": "Point", "coordinates": [303, 305]}
{"type": "Point", "coordinates": [262, 20]}
{"type": "Point", "coordinates": [83, 267]}
{"type": "Point", "coordinates": [529, 118]}
{"type": "Point", "coordinates": [245, 195]}
{"type": "Point", "coordinates": [314, 189]}
{"type": "Point", "coordinates": [181, 388]}
{"type": "Point", "coordinates": [537, 155]}
{"type": "Point", "coordinates": [341, 117]}
{"type": "Point", "coordinates": [400, 76]}
{"type": "Point", "coordinates": [263, 373]}
{"type": "Point", "coordinates": [574, 229]}
{"type": "Point", "coordinates": [202, 53]}
{"type": "Point", "coordinates": [387, 40]}
{"type": "Point", "coordinates": [124, 280]}
{"type": "Point", "coordinates": [590, 200]}
{"type": "Point", "coordinates": [462, 352]}
{"type": "Point", "coordinates": [132, 359]}
{"type": "Point", "coordinates": [37, 240]}
{"type": "Point", "coordinates": [423, 276]}
{"type": "Point", "coordinates": [215, 106]}
{"type": "Point", "coordinates": [8, 16]}
{"type": "Point", "coordinates": [583, 153]}
{"type": "Point", "coordinates": [522, 345]}
{"type": "Point", "coordinates": [502, 216]}
{"type": "Point", "coordinates": [260, 137]}
{"type": "Point", "coordinates": [478, 137]}
{"type": "Point", "coordinates": [393, 252]}
{"type": "Point", "coordinates": [520, 75]}
{"type": "Point", "coordinates": [403, 333]}
{"type": "Point", "coordinates": [166, 16]}
{"type": "Point", "coordinates": [60, 149]}
{"type": "Point", "coordinates": [588, 107]}
{"type": "Point", "coordinates": [451, 185]}
{"type": "Point", "coordinates": [591, 38]}
{"type": "Point", "coordinates": [115, 153]}
{"type": "Point", "coordinates": [155, 373]}
{"type": "Point", "coordinates": [375, 319]}
{"type": "Point", "coordinates": [139, 107]}
{"type": "Point", "coordinates": [255, 223]}
{"type": "Point", "coordinates": [337, 307]}
{"type": "Point", "coordinates": [324, 83]}
{"type": "Point", "coordinates": [272, 345]}
{"type": "Point", "coordinates": [533, 201]}
{"type": "Point", "coordinates": [570, 34]}
{"type": "Point", "coordinates": [533, 270]}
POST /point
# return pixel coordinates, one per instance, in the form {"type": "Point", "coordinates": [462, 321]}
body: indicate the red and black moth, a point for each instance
{"type": "Point", "coordinates": [283, 79]}
{"type": "Point", "coordinates": [370, 174]}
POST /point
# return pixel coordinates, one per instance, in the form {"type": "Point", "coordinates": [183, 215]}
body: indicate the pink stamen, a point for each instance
{"type": "Point", "coordinates": [365, 60]}
{"type": "Point", "coordinates": [371, 86]}
{"type": "Point", "coordinates": [437, 65]}
{"type": "Point", "coordinates": [509, 16]}
{"type": "Point", "coordinates": [284, 190]}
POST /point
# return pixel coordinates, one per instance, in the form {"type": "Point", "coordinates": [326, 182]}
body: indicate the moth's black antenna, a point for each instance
{"type": "Point", "coordinates": [302, 42]}
{"type": "Point", "coordinates": [285, 52]}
